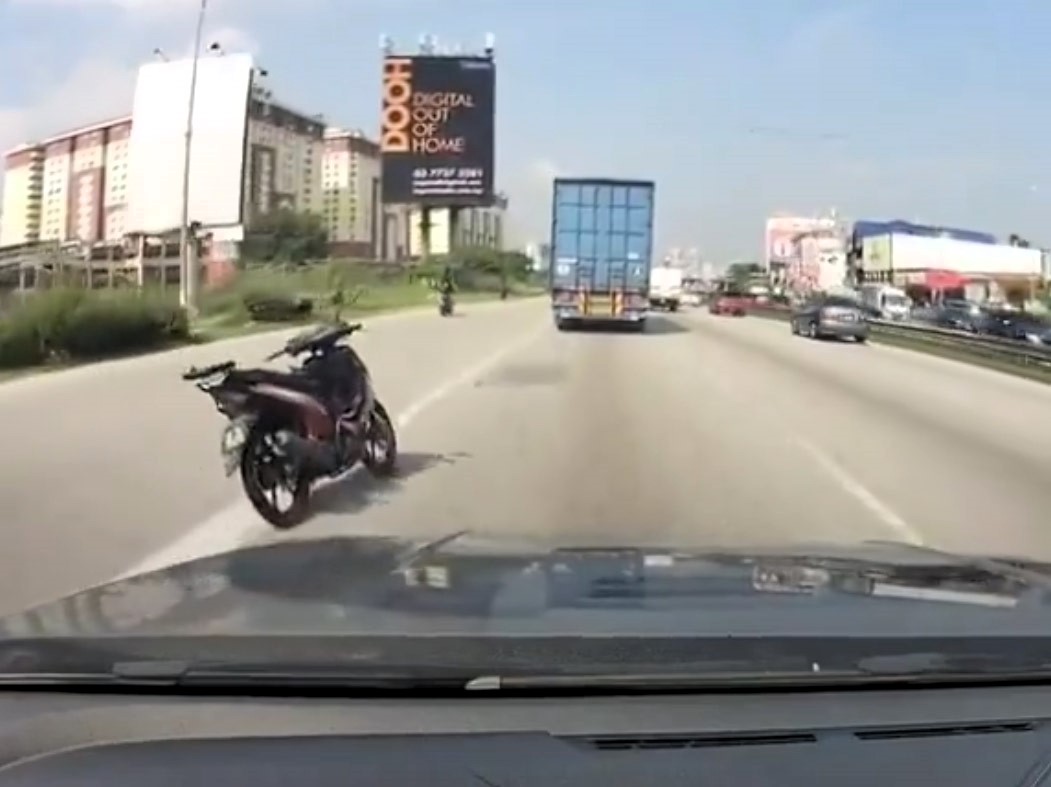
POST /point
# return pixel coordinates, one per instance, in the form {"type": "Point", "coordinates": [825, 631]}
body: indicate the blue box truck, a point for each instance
{"type": "Point", "coordinates": [601, 250]}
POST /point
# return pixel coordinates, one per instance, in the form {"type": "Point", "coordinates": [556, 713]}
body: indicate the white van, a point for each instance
{"type": "Point", "coordinates": [666, 288]}
{"type": "Point", "coordinates": [890, 302]}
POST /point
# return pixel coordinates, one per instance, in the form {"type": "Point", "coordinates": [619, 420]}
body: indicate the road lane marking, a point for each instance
{"type": "Point", "coordinates": [831, 468]}
{"type": "Point", "coordinates": [861, 493]}
{"type": "Point", "coordinates": [238, 524]}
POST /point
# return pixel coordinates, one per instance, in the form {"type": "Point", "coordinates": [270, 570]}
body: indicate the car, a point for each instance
{"type": "Point", "coordinates": [727, 303]}
{"type": "Point", "coordinates": [961, 315]}
{"type": "Point", "coordinates": [826, 316]}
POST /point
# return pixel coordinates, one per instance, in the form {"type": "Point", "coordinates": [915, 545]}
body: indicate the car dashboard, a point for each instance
{"type": "Point", "coordinates": [974, 736]}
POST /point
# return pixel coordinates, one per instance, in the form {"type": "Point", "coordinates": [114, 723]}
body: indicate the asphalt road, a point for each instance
{"type": "Point", "coordinates": [705, 431]}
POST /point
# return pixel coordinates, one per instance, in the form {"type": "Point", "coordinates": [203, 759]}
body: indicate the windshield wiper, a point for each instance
{"type": "Point", "coordinates": [900, 670]}
{"type": "Point", "coordinates": [946, 666]}
{"type": "Point", "coordinates": [184, 675]}
{"type": "Point", "coordinates": [269, 680]}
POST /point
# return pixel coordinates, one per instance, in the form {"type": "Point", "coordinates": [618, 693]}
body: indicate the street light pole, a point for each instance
{"type": "Point", "coordinates": [189, 264]}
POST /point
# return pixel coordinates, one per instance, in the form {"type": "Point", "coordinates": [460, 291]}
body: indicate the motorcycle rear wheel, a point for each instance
{"type": "Point", "coordinates": [380, 453]}
{"type": "Point", "coordinates": [258, 460]}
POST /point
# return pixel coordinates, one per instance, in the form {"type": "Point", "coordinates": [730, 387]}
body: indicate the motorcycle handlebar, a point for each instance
{"type": "Point", "coordinates": [293, 348]}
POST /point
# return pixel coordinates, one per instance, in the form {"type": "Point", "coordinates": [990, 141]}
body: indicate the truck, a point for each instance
{"type": "Point", "coordinates": [885, 301]}
{"type": "Point", "coordinates": [601, 251]}
{"type": "Point", "coordinates": [666, 288]}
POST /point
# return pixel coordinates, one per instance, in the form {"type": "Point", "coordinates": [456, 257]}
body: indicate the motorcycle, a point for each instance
{"type": "Point", "coordinates": [287, 430]}
{"type": "Point", "coordinates": [445, 304]}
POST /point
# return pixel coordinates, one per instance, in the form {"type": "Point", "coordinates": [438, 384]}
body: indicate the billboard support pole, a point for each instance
{"type": "Point", "coordinates": [454, 227]}
{"type": "Point", "coordinates": [425, 234]}
{"type": "Point", "coordinates": [189, 263]}
{"type": "Point", "coordinates": [375, 215]}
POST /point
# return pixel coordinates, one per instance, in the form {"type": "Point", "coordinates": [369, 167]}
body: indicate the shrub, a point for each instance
{"type": "Point", "coordinates": [276, 307]}
{"type": "Point", "coordinates": [19, 345]}
{"type": "Point", "coordinates": [78, 324]}
{"type": "Point", "coordinates": [114, 324]}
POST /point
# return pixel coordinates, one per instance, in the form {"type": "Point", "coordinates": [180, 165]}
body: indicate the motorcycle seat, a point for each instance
{"type": "Point", "coordinates": [294, 380]}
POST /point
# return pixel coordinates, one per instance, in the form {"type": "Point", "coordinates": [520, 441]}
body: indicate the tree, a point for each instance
{"type": "Point", "coordinates": [742, 273]}
{"type": "Point", "coordinates": [285, 235]}
{"type": "Point", "coordinates": [474, 261]}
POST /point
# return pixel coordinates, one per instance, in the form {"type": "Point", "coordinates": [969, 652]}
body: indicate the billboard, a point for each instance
{"type": "Point", "coordinates": [437, 129]}
{"type": "Point", "coordinates": [917, 253]}
{"type": "Point", "coordinates": [157, 148]}
{"type": "Point", "coordinates": [779, 246]}
{"type": "Point", "coordinates": [876, 254]}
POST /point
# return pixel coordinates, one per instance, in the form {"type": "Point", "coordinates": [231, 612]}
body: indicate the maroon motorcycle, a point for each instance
{"type": "Point", "coordinates": [290, 429]}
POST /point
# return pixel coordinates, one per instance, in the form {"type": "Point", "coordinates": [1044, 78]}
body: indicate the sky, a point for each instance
{"type": "Point", "coordinates": [927, 111]}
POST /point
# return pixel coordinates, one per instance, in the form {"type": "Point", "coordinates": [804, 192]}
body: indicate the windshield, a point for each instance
{"type": "Point", "coordinates": [305, 335]}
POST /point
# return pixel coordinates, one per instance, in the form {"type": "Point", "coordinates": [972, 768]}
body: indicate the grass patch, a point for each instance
{"type": "Point", "coordinates": [67, 325]}
{"type": "Point", "coordinates": [60, 328]}
{"type": "Point", "coordinates": [364, 290]}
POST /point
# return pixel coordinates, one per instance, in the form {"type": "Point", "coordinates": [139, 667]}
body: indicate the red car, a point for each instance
{"type": "Point", "coordinates": [724, 303]}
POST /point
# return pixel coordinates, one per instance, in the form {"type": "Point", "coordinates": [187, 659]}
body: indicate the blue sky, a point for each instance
{"type": "Point", "coordinates": [931, 111]}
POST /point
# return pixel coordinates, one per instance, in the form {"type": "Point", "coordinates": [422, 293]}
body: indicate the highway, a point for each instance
{"type": "Point", "coordinates": [705, 431]}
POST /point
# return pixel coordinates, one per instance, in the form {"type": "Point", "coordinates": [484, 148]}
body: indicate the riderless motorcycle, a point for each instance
{"type": "Point", "coordinates": [287, 430]}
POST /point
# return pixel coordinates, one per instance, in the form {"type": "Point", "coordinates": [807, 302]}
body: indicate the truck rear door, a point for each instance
{"type": "Point", "coordinates": [601, 243]}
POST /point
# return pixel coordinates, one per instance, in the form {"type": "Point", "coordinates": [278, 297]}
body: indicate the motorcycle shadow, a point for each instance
{"type": "Point", "coordinates": [360, 490]}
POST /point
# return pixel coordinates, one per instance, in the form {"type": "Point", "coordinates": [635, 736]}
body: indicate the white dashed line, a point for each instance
{"type": "Point", "coordinates": [862, 494]}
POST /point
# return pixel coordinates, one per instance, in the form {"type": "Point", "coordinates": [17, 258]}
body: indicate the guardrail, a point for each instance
{"type": "Point", "coordinates": [994, 350]}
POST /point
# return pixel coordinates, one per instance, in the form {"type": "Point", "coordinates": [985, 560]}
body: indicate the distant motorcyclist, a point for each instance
{"type": "Point", "coordinates": [446, 288]}
{"type": "Point", "coordinates": [447, 283]}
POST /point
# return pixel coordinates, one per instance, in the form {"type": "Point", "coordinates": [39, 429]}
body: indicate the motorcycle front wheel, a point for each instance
{"type": "Point", "coordinates": [380, 452]}
{"type": "Point", "coordinates": [264, 474]}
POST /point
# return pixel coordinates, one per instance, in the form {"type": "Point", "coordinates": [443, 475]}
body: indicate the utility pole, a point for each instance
{"type": "Point", "coordinates": [189, 262]}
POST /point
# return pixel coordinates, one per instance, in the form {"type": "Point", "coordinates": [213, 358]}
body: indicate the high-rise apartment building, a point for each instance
{"type": "Point", "coordinates": [284, 157]}
{"type": "Point", "coordinates": [74, 186]}
{"type": "Point", "coordinates": [351, 184]}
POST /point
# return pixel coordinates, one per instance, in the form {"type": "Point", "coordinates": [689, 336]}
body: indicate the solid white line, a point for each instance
{"type": "Point", "coordinates": [862, 494]}
{"type": "Point", "coordinates": [238, 524]}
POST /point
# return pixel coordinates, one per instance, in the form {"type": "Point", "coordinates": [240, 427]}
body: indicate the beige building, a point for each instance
{"type": "Point", "coordinates": [283, 165]}
{"type": "Point", "coordinates": [359, 225]}
{"type": "Point", "coordinates": [74, 186]}
{"type": "Point", "coordinates": [351, 186]}
{"type": "Point", "coordinates": [472, 227]}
